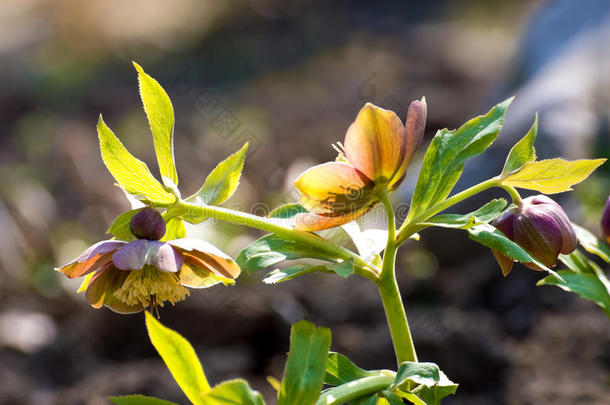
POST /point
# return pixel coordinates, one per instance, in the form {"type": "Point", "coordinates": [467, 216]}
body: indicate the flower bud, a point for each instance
{"type": "Point", "coordinates": [147, 224]}
{"type": "Point", "coordinates": [541, 227]}
{"type": "Point", "coordinates": [606, 221]}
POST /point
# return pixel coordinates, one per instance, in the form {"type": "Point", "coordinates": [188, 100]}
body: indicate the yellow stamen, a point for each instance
{"type": "Point", "coordinates": [341, 152]}
{"type": "Point", "coordinates": [148, 285]}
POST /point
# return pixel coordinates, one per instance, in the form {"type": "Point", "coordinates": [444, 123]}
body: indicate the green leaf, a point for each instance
{"type": "Point", "coordinates": [486, 213]}
{"type": "Point", "coordinates": [306, 364]}
{"type": "Point", "coordinates": [138, 400]}
{"type": "Point", "coordinates": [287, 211]}
{"type": "Point", "coordinates": [394, 397]}
{"type": "Point", "coordinates": [131, 174]}
{"type": "Point", "coordinates": [341, 370]}
{"type": "Point", "coordinates": [552, 175]}
{"type": "Point", "coordinates": [445, 157]}
{"type": "Point", "coordinates": [427, 374]}
{"type": "Point", "coordinates": [160, 113]}
{"type": "Point", "coordinates": [591, 243]}
{"type": "Point", "coordinates": [433, 384]}
{"type": "Point", "coordinates": [579, 263]}
{"type": "Point", "coordinates": [233, 392]}
{"type": "Point", "coordinates": [174, 229]}
{"type": "Point", "coordinates": [281, 275]}
{"type": "Point", "coordinates": [344, 268]}
{"type": "Point", "coordinates": [587, 285]}
{"type": "Point", "coordinates": [222, 181]}
{"type": "Point", "coordinates": [523, 151]}
{"type": "Point", "coordinates": [180, 358]}
{"type": "Point", "coordinates": [272, 249]}
{"type": "Point", "coordinates": [491, 237]}
{"type": "Point", "coordinates": [371, 400]}
{"type": "Point", "coordinates": [434, 394]}
{"type": "Point", "coordinates": [120, 226]}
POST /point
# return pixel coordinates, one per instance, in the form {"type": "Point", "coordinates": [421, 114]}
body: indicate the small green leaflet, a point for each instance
{"type": "Point", "coordinates": [160, 114]}
{"type": "Point", "coordinates": [523, 151]}
{"type": "Point", "coordinates": [233, 392]}
{"type": "Point", "coordinates": [433, 384]}
{"type": "Point", "coordinates": [138, 400]}
{"type": "Point", "coordinates": [180, 359]}
{"type": "Point", "coordinates": [486, 213]}
{"type": "Point", "coordinates": [341, 370]}
{"type": "Point", "coordinates": [120, 226]}
{"type": "Point", "coordinates": [445, 157]}
{"type": "Point", "coordinates": [132, 174]}
{"type": "Point", "coordinates": [552, 175]}
{"type": "Point", "coordinates": [306, 364]}
{"type": "Point", "coordinates": [222, 181]}
{"type": "Point", "coordinates": [281, 275]}
{"type": "Point", "coordinates": [287, 211]}
{"type": "Point", "coordinates": [591, 243]}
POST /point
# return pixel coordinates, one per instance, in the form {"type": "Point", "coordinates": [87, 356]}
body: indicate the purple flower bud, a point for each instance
{"type": "Point", "coordinates": [606, 221]}
{"type": "Point", "coordinates": [147, 224]}
{"type": "Point", "coordinates": [541, 227]}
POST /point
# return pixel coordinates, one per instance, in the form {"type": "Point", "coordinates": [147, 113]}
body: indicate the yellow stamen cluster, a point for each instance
{"type": "Point", "coordinates": [148, 285]}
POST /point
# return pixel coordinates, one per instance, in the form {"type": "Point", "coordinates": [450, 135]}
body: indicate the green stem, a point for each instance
{"type": "Point", "coordinates": [514, 194]}
{"type": "Point", "coordinates": [390, 294]}
{"type": "Point", "coordinates": [190, 210]}
{"type": "Point", "coordinates": [355, 389]}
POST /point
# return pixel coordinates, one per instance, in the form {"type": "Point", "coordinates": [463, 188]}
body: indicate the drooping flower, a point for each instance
{"type": "Point", "coordinates": [541, 227]}
{"type": "Point", "coordinates": [128, 277]}
{"type": "Point", "coordinates": [606, 221]}
{"type": "Point", "coordinates": [377, 150]}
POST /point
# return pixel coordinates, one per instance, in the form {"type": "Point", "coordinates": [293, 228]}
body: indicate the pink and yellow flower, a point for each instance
{"type": "Point", "coordinates": [128, 277]}
{"type": "Point", "coordinates": [377, 150]}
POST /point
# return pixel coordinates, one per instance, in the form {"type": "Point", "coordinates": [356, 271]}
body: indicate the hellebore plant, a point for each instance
{"type": "Point", "coordinates": [150, 261]}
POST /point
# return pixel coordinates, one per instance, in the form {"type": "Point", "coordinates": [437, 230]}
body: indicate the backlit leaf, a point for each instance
{"type": "Point", "coordinates": [445, 157]}
{"type": "Point", "coordinates": [180, 358]}
{"type": "Point", "coordinates": [486, 213]}
{"type": "Point", "coordinates": [281, 275]}
{"type": "Point", "coordinates": [120, 226]}
{"type": "Point", "coordinates": [523, 151]}
{"type": "Point", "coordinates": [552, 175]}
{"type": "Point", "coordinates": [160, 113]}
{"type": "Point", "coordinates": [233, 392]}
{"type": "Point", "coordinates": [591, 243]}
{"type": "Point", "coordinates": [138, 400]}
{"type": "Point", "coordinates": [131, 173]}
{"type": "Point", "coordinates": [306, 364]}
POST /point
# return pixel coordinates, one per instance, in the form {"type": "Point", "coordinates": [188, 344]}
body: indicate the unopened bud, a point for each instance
{"type": "Point", "coordinates": [541, 227]}
{"type": "Point", "coordinates": [147, 224]}
{"type": "Point", "coordinates": [415, 126]}
{"type": "Point", "coordinates": [606, 221]}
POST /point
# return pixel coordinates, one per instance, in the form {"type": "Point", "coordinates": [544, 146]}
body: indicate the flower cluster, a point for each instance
{"type": "Point", "coordinates": [128, 277]}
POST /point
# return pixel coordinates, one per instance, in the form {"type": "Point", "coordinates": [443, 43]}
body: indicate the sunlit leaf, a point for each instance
{"type": "Point", "coordinates": [344, 268]}
{"type": "Point", "coordinates": [233, 392]}
{"type": "Point", "coordinates": [222, 181]}
{"type": "Point", "coordinates": [552, 175]}
{"type": "Point", "coordinates": [486, 213]}
{"type": "Point", "coordinates": [132, 174]}
{"type": "Point", "coordinates": [432, 384]}
{"type": "Point", "coordinates": [281, 275]}
{"type": "Point", "coordinates": [340, 370]}
{"type": "Point", "coordinates": [180, 358]}
{"type": "Point", "coordinates": [591, 243]}
{"type": "Point", "coordinates": [523, 151]}
{"type": "Point", "coordinates": [120, 226]}
{"type": "Point", "coordinates": [287, 211]}
{"type": "Point", "coordinates": [174, 229]}
{"type": "Point", "coordinates": [445, 157]}
{"type": "Point", "coordinates": [138, 400]}
{"type": "Point", "coordinates": [272, 249]}
{"type": "Point", "coordinates": [160, 113]}
{"type": "Point", "coordinates": [306, 364]}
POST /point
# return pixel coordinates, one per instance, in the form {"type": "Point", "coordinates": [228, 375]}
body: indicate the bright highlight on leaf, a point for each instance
{"type": "Point", "coordinates": [222, 182]}
{"type": "Point", "coordinates": [180, 359]}
{"type": "Point", "coordinates": [131, 173]}
{"type": "Point", "coordinates": [160, 113]}
{"type": "Point", "coordinates": [552, 175]}
{"type": "Point", "coordinates": [305, 368]}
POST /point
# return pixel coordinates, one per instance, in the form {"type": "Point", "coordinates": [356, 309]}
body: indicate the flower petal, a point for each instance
{"type": "Point", "coordinates": [196, 276]}
{"type": "Point", "coordinates": [312, 222]}
{"type": "Point", "coordinates": [539, 234]}
{"type": "Point", "coordinates": [375, 143]}
{"type": "Point", "coordinates": [102, 287]}
{"type": "Point", "coordinates": [141, 252]}
{"type": "Point", "coordinates": [334, 188]}
{"type": "Point", "coordinates": [92, 259]}
{"type": "Point", "coordinates": [208, 256]}
{"type": "Point", "coordinates": [415, 126]}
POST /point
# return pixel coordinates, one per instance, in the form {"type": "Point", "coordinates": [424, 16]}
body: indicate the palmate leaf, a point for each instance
{"type": "Point", "coordinates": [306, 364]}
{"type": "Point", "coordinates": [180, 358]}
{"type": "Point", "coordinates": [160, 114]}
{"type": "Point", "coordinates": [445, 157]}
{"type": "Point", "coordinates": [552, 175]}
{"type": "Point", "coordinates": [132, 174]}
{"type": "Point", "coordinates": [523, 151]}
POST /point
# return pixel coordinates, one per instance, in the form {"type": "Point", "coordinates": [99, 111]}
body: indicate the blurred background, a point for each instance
{"type": "Point", "coordinates": [289, 77]}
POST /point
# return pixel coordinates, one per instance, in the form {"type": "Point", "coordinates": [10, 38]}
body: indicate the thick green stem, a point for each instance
{"type": "Point", "coordinates": [190, 210]}
{"type": "Point", "coordinates": [390, 294]}
{"type": "Point", "coordinates": [356, 389]}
